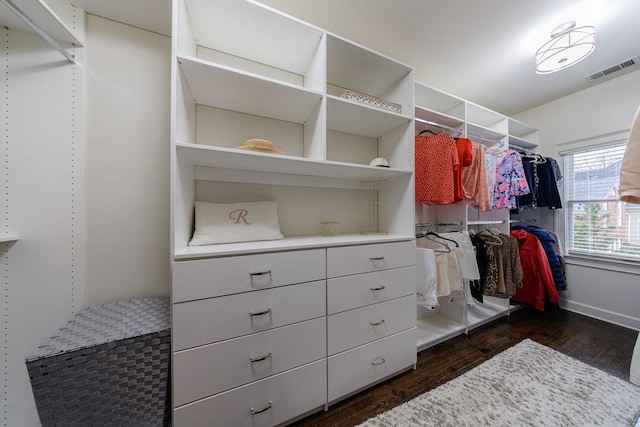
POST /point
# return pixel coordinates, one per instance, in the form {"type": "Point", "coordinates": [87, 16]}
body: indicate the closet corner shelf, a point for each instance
{"type": "Point", "coordinates": [230, 158]}
{"type": "Point", "coordinates": [9, 238]}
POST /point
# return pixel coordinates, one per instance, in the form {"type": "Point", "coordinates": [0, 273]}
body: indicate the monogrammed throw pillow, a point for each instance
{"type": "Point", "coordinates": [235, 222]}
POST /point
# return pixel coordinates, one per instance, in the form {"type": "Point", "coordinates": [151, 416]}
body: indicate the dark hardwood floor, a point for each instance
{"type": "Point", "coordinates": [600, 344]}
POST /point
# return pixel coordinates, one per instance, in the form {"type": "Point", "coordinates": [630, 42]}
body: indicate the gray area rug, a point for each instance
{"type": "Point", "coordinates": [528, 384]}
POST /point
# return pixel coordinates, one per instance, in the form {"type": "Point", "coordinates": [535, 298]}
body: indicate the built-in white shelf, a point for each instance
{"type": "Point", "coordinates": [9, 238]}
{"type": "Point", "coordinates": [250, 33]}
{"type": "Point", "coordinates": [351, 117]}
{"type": "Point", "coordinates": [475, 130]}
{"type": "Point", "coordinates": [288, 243]}
{"type": "Point", "coordinates": [237, 90]}
{"type": "Point", "coordinates": [482, 313]}
{"type": "Point", "coordinates": [438, 118]}
{"type": "Point", "coordinates": [522, 135]}
{"type": "Point", "coordinates": [355, 67]}
{"type": "Point", "coordinates": [230, 158]}
{"type": "Point", "coordinates": [435, 329]}
{"type": "Point", "coordinates": [42, 15]}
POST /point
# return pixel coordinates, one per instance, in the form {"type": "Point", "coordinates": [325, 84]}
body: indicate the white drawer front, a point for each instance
{"type": "Point", "coordinates": [342, 261]}
{"type": "Point", "coordinates": [223, 276]}
{"type": "Point", "coordinates": [207, 321]}
{"type": "Point", "coordinates": [357, 368]}
{"type": "Point", "coordinates": [345, 293]}
{"type": "Point", "coordinates": [356, 327]}
{"type": "Point", "coordinates": [208, 370]}
{"type": "Point", "coordinates": [286, 395]}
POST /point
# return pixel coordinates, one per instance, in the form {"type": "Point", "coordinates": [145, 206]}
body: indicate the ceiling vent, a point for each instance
{"type": "Point", "coordinates": [633, 62]}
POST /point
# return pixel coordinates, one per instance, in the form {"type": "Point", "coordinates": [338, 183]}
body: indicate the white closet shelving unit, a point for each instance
{"type": "Point", "coordinates": [438, 110]}
{"type": "Point", "coordinates": [272, 85]}
{"type": "Point", "coordinates": [234, 79]}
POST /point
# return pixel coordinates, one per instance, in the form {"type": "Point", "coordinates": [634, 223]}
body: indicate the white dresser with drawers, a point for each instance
{"type": "Point", "coordinates": [261, 339]}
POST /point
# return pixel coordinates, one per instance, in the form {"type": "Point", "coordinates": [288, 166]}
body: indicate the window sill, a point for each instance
{"type": "Point", "coordinates": [604, 262]}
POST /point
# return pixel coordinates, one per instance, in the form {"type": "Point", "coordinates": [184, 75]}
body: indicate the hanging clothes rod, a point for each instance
{"type": "Point", "coordinates": [427, 122]}
{"type": "Point", "coordinates": [54, 44]}
{"type": "Point", "coordinates": [521, 149]}
{"type": "Point", "coordinates": [438, 224]}
{"type": "Point", "coordinates": [483, 138]}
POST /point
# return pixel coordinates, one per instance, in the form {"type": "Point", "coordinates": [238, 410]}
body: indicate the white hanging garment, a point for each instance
{"type": "Point", "coordinates": [466, 255]}
{"type": "Point", "coordinates": [426, 280]}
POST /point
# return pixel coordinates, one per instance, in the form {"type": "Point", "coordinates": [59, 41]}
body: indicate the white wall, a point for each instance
{"type": "Point", "coordinates": [596, 288]}
{"type": "Point", "coordinates": [42, 200]}
{"type": "Point", "coordinates": [127, 132]}
{"type": "Point", "coordinates": [85, 185]}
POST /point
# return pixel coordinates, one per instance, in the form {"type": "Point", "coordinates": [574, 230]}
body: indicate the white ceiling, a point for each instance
{"type": "Point", "coordinates": [481, 50]}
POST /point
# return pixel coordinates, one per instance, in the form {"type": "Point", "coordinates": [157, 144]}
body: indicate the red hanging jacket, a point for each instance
{"type": "Point", "coordinates": [537, 280]}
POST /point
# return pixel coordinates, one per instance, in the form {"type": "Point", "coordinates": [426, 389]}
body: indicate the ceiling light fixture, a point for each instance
{"type": "Point", "coordinates": [568, 45]}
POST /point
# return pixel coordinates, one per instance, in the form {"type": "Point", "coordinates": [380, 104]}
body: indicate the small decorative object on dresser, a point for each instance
{"type": "Point", "coordinates": [329, 228]}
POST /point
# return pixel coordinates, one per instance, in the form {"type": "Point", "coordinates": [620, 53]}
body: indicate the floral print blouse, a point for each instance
{"type": "Point", "coordinates": [506, 179]}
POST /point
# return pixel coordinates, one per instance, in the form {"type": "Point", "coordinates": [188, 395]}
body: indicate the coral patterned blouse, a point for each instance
{"type": "Point", "coordinates": [436, 163]}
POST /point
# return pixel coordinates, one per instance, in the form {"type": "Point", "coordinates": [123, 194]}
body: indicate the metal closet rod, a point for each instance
{"type": "Point", "coordinates": [426, 122]}
{"type": "Point", "coordinates": [15, 9]}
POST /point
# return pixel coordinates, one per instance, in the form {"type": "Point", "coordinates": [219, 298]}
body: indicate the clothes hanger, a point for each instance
{"type": "Point", "coordinates": [428, 237]}
{"type": "Point", "coordinates": [422, 132]}
{"type": "Point", "coordinates": [433, 233]}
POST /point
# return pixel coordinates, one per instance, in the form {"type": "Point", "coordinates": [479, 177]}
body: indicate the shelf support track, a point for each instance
{"type": "Point", "coordinates": [54, 44]}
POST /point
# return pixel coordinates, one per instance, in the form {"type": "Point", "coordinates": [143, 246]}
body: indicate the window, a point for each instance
{"type": "Point", "coordinates": [596, 221]}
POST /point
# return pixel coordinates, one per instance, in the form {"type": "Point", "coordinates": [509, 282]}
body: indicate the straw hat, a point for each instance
{"type": "Point", "coordinates": [260, 145]}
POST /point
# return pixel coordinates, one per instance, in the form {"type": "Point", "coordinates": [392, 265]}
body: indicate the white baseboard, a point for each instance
{"type": "Point", "coordinates": [602, 314]}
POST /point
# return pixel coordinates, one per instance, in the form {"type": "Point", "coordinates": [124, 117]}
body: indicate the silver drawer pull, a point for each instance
{"type": "Point", "coordinates": [260, 359]}
{"type": "Point", "coordinates": [379, 288]}
{"type": "Point", "coordinates": [258, 411]}
{"type": "Point", "coordinates": [377, 323]}
{"type": "Point", "coordinates": [260, 313]}
{"type": "Point", "coordinates": [378, 362]}
{"type": "Point", "coordinates": [377, 258]}
{"type": "Point", "coordinates": [260, 273]}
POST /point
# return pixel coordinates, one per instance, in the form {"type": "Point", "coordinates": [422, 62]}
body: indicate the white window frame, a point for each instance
{"type": "Point", "coordinates": [613, 262]}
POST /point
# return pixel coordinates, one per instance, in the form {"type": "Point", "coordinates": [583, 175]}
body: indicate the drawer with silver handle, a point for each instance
{"type": "Point", "coordinates": [347, 292]}
{"type": "Point", "coordinates": [207, 370]}
{"type": "Point", "coordinates": [345, 260]}
{"type": "Point", "coordinates": [266, 402]}
{"type": "Point", "coordinates": [362, 366]}
{"type": "Point", "coordinates": [205, 278]}
{"type": "Point", "coordinates": [352, 328]}
{"type": "Point", "coordinates": [210, 320]}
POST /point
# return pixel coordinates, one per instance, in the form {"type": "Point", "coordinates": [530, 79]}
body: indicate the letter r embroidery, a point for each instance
{"type": "Point", "coordinates": [239, 215]}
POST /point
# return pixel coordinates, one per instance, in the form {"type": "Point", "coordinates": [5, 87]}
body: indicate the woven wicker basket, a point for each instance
{"type": "Point", "coordinates": [371, 101]}
{"type": "Point", "coordinates": [109, 365]}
